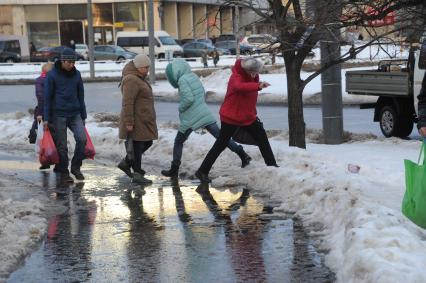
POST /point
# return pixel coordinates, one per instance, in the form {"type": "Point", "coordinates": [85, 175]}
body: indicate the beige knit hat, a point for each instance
{"type": "Point", "coordinates": [141, 60]}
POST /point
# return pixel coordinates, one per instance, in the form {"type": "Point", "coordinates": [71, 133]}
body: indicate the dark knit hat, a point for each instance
{"type": "Point", "coordinates": [68, 54]}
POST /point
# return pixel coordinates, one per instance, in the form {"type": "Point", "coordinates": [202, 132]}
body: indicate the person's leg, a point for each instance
{"type": "Point", "coordinates": [225, 134]}
{"type": "Point", "coordinates": [77, 128]}
{"type": "Point", "coordinates": [139, 148]}
{"type": "Point", "coordinates": [146, 146]}
{"type": "Point", "coordinates": [60, 125]}
{"type": "Point", "coordinates": [232, 145]}
{"type": "Point", "coordinates": [177, 154]}
{"type": "Point", "coordinates": [258, 133]}
{"type": "Point", "coordinates": [214, 130]}
{"type": "Point", "coordinates": [178, 145]}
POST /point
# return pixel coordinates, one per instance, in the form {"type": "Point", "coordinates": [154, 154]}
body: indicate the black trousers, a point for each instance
{"type": "Point", "coordinates": [139, 147]}
{"type": "Point", "coordinates": [256, 130]}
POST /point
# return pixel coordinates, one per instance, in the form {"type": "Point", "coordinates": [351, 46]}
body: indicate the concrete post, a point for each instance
{"type": "Point", "coordinates": [331, 82]}
{"type": "Point", "coordinates": [90, 36]}
{"type": "Point", "coordinates": [151, 41]}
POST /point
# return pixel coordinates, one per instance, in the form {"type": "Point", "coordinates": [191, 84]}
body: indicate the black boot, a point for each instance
{"type": "Point", "coordinates": [173, 171]}
{"type": "Point", "coordinates": [245, 158]}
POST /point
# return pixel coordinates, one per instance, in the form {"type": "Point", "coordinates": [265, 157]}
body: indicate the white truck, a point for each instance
{"type": "Point", "coordinates": [397, 84]}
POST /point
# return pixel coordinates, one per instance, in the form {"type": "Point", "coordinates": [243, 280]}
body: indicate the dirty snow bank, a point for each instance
{"type": "Point", "coordinates": [356, 217]}
{"type": "Point", "coordinates": [22, 222]}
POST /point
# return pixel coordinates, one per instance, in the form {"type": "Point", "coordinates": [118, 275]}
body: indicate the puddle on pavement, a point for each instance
{"type": "Point", "coordinates": [114, 231]}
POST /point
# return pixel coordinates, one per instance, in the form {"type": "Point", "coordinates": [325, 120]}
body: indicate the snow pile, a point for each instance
{"type": "Point", "coordinates": [356, 217]}
{"type": "Point", "coordinates": [22, 223]}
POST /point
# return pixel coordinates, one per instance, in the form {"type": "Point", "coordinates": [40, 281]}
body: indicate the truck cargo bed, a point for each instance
{"type": "Point", "coordinates": [378, 83]}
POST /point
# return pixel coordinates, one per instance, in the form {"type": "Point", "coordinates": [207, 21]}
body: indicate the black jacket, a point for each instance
{"type": "Point", "coordinates": [422, 105]}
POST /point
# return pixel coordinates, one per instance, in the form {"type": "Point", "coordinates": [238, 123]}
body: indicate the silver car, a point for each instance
{"type": "Point", "coordinates": [112, 52]}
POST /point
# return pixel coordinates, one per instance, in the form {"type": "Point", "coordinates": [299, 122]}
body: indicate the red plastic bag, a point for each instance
{"type": "Point", "coordinates": [48, 153]}
{"type": "Point", "coordinates": [89, 149]}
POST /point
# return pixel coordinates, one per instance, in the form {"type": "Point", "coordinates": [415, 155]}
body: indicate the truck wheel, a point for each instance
{"type": "Point", "coordinates": [388, 121]}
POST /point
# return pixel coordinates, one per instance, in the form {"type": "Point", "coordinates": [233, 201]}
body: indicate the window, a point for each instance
{"type": "Point", "coordinates": [167, 40]}
{"type": "Point", "coordinates": [102, 14]}
{"type": "Point", "coordinates": [73, 12]}
{"type": "Point", "coordinates": [133, 41]}
{"type": "Point", "coordinates": [109, 49]}
{"type": "Point", "coordinates": [99, 48]}
{"type": "Point", "coordinates": [43, 34]}
{"type": "Point", "coordinates": [13, 46]}
{"type": "Point", "coordinates": [127, 12]}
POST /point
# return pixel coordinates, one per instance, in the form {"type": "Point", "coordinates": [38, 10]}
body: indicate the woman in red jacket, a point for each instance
{"type": "Point", "coordinates": [238, 110]}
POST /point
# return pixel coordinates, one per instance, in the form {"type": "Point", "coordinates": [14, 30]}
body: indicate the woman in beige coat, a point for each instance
{"type": "Point", "coordinates": [137, 118]}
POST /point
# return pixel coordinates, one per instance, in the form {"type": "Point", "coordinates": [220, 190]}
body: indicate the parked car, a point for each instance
{"type": "Point", "coordinates": [231, 45]}
{"type": "Point", "coordinates": [112, 52]}
{"type": "Point", "coordinates": [226, 37]}
{"type": "Point", "coordinates": [14, 48]}
{"type": "Point", "coordinates": [83, 50]}
{"type": "Point", "coordinates": [195, 49]}
{"type": "Point", "coordinates": [51, 54]}
{"type": "Point", "coordinates": [10, 51]}
{"type": "Point", "coordinates": [183, 41]}
{"type": "Point", "coordinates": [138, 41]}
{"type": "Point", "coordinates": [265, 42]}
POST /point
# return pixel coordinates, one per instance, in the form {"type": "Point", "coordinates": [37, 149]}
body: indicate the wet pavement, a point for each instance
{"type": "Point", "coordinates": [114, 231]}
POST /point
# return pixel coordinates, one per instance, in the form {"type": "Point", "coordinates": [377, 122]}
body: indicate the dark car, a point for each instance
{"type": "Point", "coordinates": [231, 45]}
{"type": "Point", "coordinates": [10, 51]}
{"type": "Point", "coordinates": [112, 52]}
{"type": "Point", "coordinates": [51, 54]}
{"type": "Point", "coordinates": [225, 37]}
{"type": "Point", "coordinates": [183, 41]}
{"type": "Point", "coordinates": [196, 49]}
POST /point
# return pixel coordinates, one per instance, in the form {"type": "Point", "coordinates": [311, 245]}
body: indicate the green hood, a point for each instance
{"type": "Point", "coordinates": [175, 70]}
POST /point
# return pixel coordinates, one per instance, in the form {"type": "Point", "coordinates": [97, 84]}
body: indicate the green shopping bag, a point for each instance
{"type": "Point", "coordinates": [414, 202]}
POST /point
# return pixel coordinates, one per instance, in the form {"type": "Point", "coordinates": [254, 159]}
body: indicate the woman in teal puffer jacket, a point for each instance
{"type": "Point", "coordinates": [193, 113]}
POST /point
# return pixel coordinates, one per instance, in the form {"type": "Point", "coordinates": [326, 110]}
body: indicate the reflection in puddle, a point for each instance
{"type": "Point", "coordinates": [114, 231]}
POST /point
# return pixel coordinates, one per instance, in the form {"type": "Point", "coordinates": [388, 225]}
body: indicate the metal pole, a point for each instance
{"type": "Point", "coordinates": [331, 81]}
{"type": "Point", "coordinates": [237, 30]}
{"type": "Point", "coordinates": [90, 36]}
{"type": "Point", "coordinates": [151, 41]}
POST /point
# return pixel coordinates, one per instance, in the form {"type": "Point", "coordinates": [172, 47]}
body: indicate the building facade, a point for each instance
{"type": "Point", "coordinates": [57, 22]}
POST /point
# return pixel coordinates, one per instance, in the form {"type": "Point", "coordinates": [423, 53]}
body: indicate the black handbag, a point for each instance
{"type": "Point", "coordinates": [32, 136]}
{"type": "Point", "coordinates": [242, 136]}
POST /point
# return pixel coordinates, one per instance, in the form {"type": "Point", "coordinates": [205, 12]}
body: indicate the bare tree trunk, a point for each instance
{"type": "Point", "coordinates": [296, 123]}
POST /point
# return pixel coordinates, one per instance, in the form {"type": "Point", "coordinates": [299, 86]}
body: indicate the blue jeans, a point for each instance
{"type": "Point", "coordinates": [75, 124]}
{"type": "Point", "coordinates": [213, 129]}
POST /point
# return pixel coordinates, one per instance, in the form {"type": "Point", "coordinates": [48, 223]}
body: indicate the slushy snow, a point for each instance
{"type": "Point", "coordinates": [356, 217]}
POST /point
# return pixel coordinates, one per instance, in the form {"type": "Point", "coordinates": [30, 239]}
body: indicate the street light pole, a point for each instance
{"type": "Point", "coordinates": [237, 30]}
{"type": "Point", "coordinates": [331, 79]}
{"type": "Point", "coordinates": [90, 37]}
{"type": "Point", "coordinates": [151, 41]}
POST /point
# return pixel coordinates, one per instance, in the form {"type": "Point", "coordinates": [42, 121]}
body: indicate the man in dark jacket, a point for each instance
{"type": "Point", "coordinates": [421, 124]}
{"type": "Point", "coordinates": [64, 108]}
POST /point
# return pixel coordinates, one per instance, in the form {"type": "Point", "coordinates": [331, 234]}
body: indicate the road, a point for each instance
{"type": "Point", "coordinates": [106, 97]}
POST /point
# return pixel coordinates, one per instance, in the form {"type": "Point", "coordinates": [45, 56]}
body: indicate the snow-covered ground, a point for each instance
{"type": "Point", "coordinates": [355, 216]}
{"type": "Point", "coordinates": [113, 69]}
